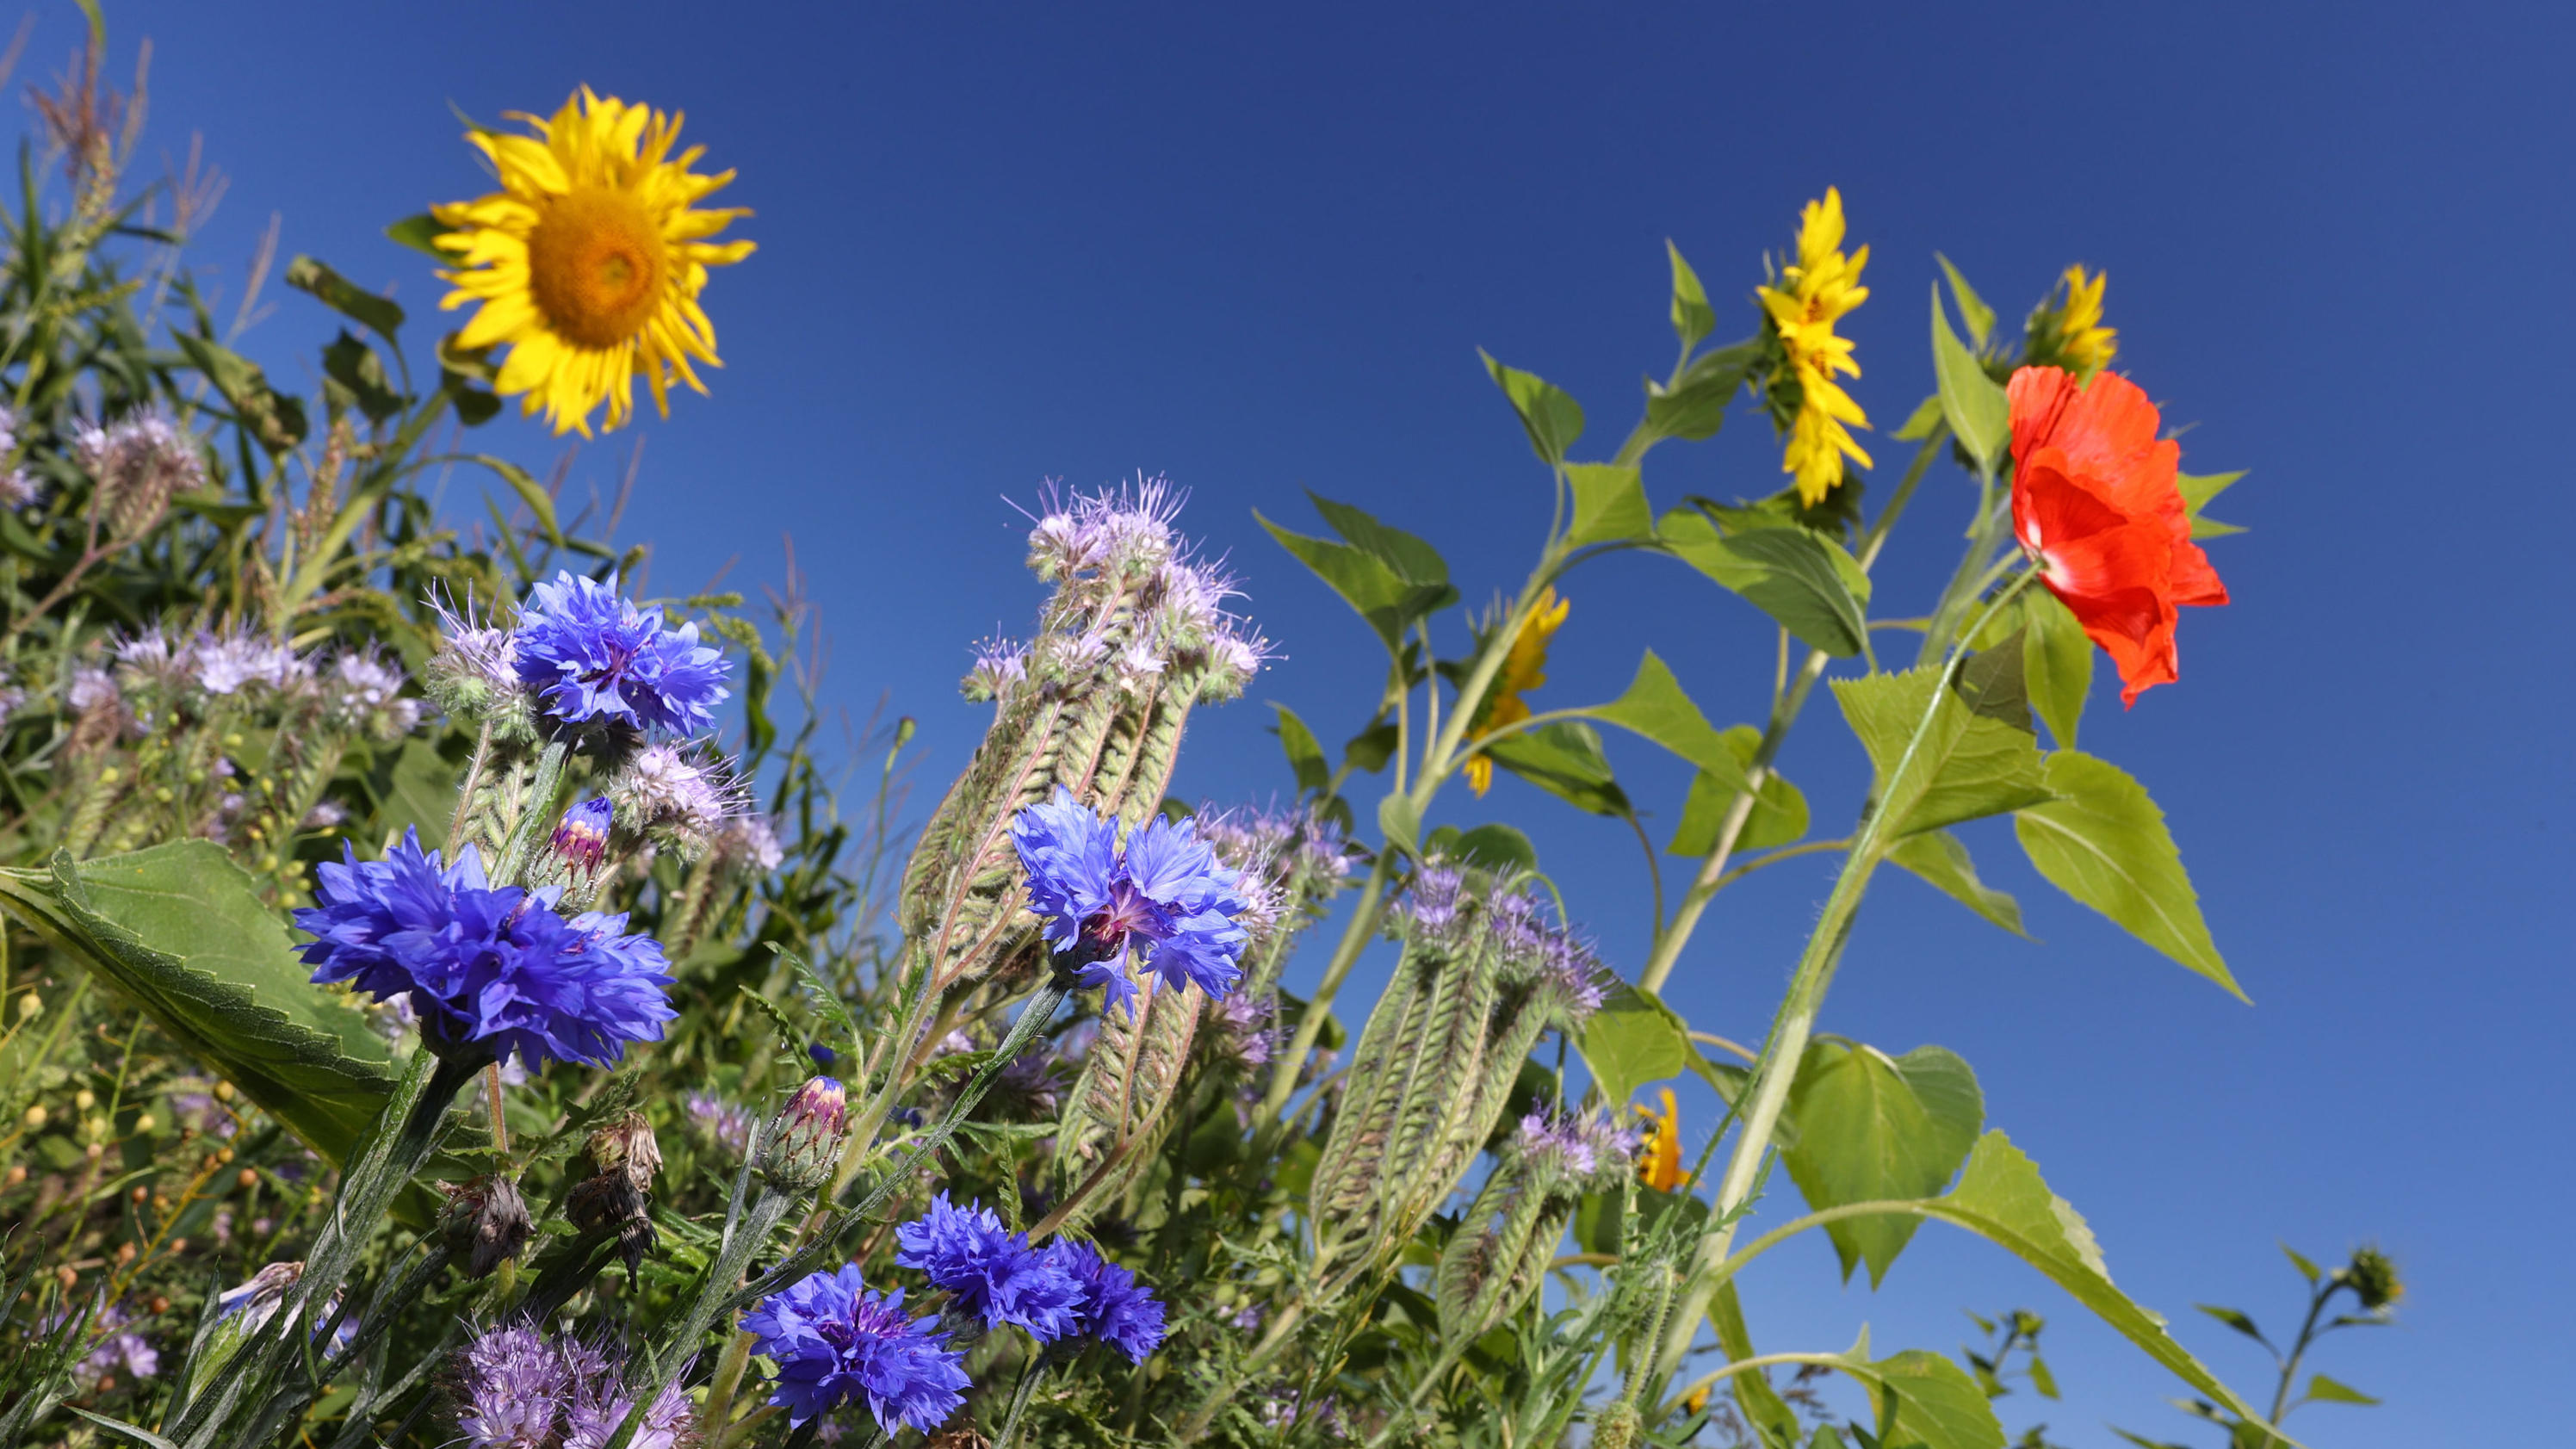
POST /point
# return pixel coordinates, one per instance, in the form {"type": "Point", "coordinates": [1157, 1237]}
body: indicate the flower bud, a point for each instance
{"type": "Point", "coordinates": [2373, 1278]}
{"type": "Point", "coordinates": [487, 1221]}
{"type": "Point", "coordinates": [581, 839]}
{"type": "Point", "coordinates": [805, 1136]}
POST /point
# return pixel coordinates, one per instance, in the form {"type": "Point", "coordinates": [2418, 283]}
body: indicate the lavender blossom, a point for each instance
{"type": "Point", "coordinates": [1162, 893]}
{"type": "Point", "coordinates": [232, 662]}
{"type": "Point", "coordinates": [1000, 666]}
{"type": "Point", "coordinates": [592, 655]}
{"type": "Point", "coordinates": [681, 792]}
{"type": "Point", "coordinates": [1575, 1145]}
{"type": "Point", "coordinates": [991, 1273]}
{"type": "Point", "coordinates": [727, 1125]}
{"type": "Point", "coordinates": [511, 1387]}
{"type": "Point", "coordinates": [834, 1342]}
{"type": "Point", "coordinates": [597, 1401]}
{"type": "Point", "coordinates": [138, 463]}
{"type": "Point", "coordinates": [363, 692]}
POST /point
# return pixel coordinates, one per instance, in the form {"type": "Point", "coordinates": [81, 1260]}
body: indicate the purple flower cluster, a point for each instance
{"type": "Point", "coordinates": [497, 968]}
{"type": "Point", "coordinates": [1061, 1291]}
{"type": "Point", "coordinates": [834, 1341]}
{"type": "Point", "coordinates": [514, 1390]}
{"type": "Point", "coordinates": [1575, 1144]}
{"type": "Point", "coordinates": [1163, 893]}
{"type": "Point", "coordinates": [590, 654]}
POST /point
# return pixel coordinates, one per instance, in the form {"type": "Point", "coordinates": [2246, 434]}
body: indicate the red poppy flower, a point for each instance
{"type": "Point", "coordinates": [2094, 501]}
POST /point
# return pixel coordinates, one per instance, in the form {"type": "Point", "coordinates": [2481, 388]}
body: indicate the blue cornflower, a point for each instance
{"type": "Point", "coordinates": [1114, 1309]}
{"type": "Point", "coordinates": [1163, 893]}
{"type": "Point", "coordinates": [990, 1271]}
{"type": "Point", "coordinates": [833, 1341]}
{"type": "Point", "coordinates": [498, 968]}
{"type": "Point", "coordinates": [590, 654]}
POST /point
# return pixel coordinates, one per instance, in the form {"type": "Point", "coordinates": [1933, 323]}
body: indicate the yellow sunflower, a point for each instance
{"type": "Point", "coordinates": [1659, 1162]}
{"type": "Point", "coordinates": [1816, 291]}
{"type": "Point", "coordinates": [589, 260]}
{"type": "Point", "coordinates": [1524, 669]}
{"type": "Point", "coordinates": [2071, 333]}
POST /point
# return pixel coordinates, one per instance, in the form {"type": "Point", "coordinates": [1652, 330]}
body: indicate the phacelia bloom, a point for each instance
{"type": "Point", "coordinates": [1815, 292]}
{"type": "Point", "coordinates": [750, 841]}
{"type": "Point", "coordinates": [230, 663]}
{"type": "Point", "coordinates": [834, 1341]}
{"type": "Point", "coordinates": [1568, 968]}
{"type": "Point", "coordinates": [363, 692]}
{"type": "Point", "coordinates": [1162, 893]}
{"type": "Point", "coordinates": [1659, 1163]}
{"type": "Point", "coordinates": [1431, 905]}
{"type": "Point", "coordinates": [1113, 1308]}
{"type": "Point", "coordinates": [589, 260]}
{"type": "Point", "coordinates": [727, 1125]}
{"type": "Point", "coordinates": [597, 1401]}
{"type": "Point", "coordinates": [510, 1389]}
{"type": "Point", "coordinates": [1575, 1146]}
{"type": "Point", "coordinates": [117, 1353]}
{"type": "Point", "coordinates": [497, 968]}
{"type": "Point", "coordinates": [2094, 501]}
{"type": "Point", "coordinates": [93, 689]}
{"type": "Point", "coordinates": [10, 698]}
{"type": "Point", "coordinates": [991, 1272]}
{"type": "Point", "coordinates": [18, 487]}
{"type": "Point", "coordinates": [1000, 665]}
{"type": "Point", "coordinates": [678, 791]}
{"type": "Point", "coordinates": [138, 463]}
{"type": "Point", "coordinates": [590, 654]}
{"type": "Point", "coordinates": [1523, 669]}
{"type": "Point", "coordinates": [581, 837]}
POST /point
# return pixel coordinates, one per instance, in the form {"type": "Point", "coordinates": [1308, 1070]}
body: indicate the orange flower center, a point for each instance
{"type": "Point", "coordinates": [596, 265]}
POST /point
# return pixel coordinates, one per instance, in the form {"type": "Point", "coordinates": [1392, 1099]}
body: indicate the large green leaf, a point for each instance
{"type": "Point", "coordinates": [1974, 403]}
{"type": "Point", "coordinates": [2057, 661]}
{"type": "Point", "coordinates": [1632, 1040]}
{"type": "Point", "coordinates": [1654, 705]}
{"type": "Point", "coordinates": [1413, 559]}
{"type": "Point", "coordinates": [1874, 1128]}
{"type": "Point", "coordinates": [1693, 318]}
{"type": "Point", "coordinates": [1564, 758]}
{"type": "Point", "coordinates": [1969, 762]}
{"type": "Point", "coordinates": [1388, 602]}
{"type": "Point", "coordinates": [416, 790]}
{"type": "Point", "coordinates": [2104, 842]}
{"type": "Point", "coordinates": [1942, 859]}
{"type": "Point", "coordinates": [2002, 1198]}
{"type": "Point", "coordinates": [1815, 589]}
{"type": "Point", "coordinates": [345, 297]}
{"type": "Point", "coordinates": [1609, 504]}
{"type": "Point", "coordinates": [1779, 811]}
{"type": "Point", "coordinates": [180, 929]}
{"type": "Point", "coordinates": [1694, 406]}
{"type": "Point", "coordinates": [1305, 755]}
{"type": "Point", "coordinates": [1552, 419]}
{"type": "Point", "coordinates": [1925, 1401]}
{"type": "Point", "coordinates": [1973, 311]}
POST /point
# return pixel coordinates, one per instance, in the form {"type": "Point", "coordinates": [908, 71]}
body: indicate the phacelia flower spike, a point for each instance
{"type": "Point", "coordinates": [510, 1388]}
{"type": "Point", "coordinates": [591, 655]}
{"type": "Point", "coordinates": [1161, 893]}
{"type": "Point", "coordinates": [806, 1136]}
{"type": "Point", "coordinates": [492, 972]}
{"type": "Point", "coordinates": [834, 1341]}
{"type": "Point", "coordinates": [991, 1272]}
{"type": "Point", "coordinates": [2095, 502]}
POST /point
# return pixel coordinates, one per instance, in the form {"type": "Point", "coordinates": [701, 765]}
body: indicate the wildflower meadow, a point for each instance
{"type": "Point", "coordinates": [453, 995]}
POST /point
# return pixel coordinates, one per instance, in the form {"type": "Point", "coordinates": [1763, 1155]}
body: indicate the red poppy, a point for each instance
{"type": "Point", "coordinates": [2094, 501]}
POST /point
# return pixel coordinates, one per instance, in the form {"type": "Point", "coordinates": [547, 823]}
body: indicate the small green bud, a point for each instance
{"type": "Point", "coordinates": [2373, 1278]}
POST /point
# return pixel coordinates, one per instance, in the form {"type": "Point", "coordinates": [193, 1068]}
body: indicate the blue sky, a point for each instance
{"type": "Point", "coordinates": [1258, 250]}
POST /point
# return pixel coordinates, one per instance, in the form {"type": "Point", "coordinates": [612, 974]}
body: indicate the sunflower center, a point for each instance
{"type": "Point", "coordinates": [596, 264]}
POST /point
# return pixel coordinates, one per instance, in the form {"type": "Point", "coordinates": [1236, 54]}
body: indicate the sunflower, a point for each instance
{"type": "Point", "coordinates": [2071, 334]}
{"type": "Point", "coordinates": [589, 260]}
{"type": "Point", "coordinates": [1817, 290]}
{"type": "Point", "coordinates": [1524, 669]}
{"type": "Point", "coordinates": [1659, 1163]}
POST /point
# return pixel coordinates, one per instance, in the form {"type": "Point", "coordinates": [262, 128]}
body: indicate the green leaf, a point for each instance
{"type": "Point", "coordinates": [1693, 318]}
{"type": "Point", "coordinates": [1919, 423]}
{"type": "Point", "coordinates": [1654, 705]}
{"type": "Point", "coordinates": [1632, 1040]}
{"type": "Point", "coordinates": [1552, 419]}
{"type": "Point", "coordinates": [1764, 1409]}
{"type": "Point", "coordinates": [1366, 582]}
{"type": "Point", "coordinates": [1973, 311]}
{"type": "Point", "coordinates": [1497, 848]}
{"type": "Point", "coordinates": [1564, 758]}
{"type": "Point", "coordinates": [1410, 558]}
{"type": "Point", "coordinates": [2299, 1260]}
{"type": "Point", "coordinates": [1968, 764]}
{"type": "Point", "coordinates": [347, 298]}
{"type": "Point", "coordinates": [1305, 756]}
{"type": "Point", "coordinates": [1370, 749]}
{"type": "Point", "coordinates": [2327, 1391]}
{"type": "Point", "coordinates": [1609, 505]}
{"type": "Point", "coordinates": [530, 491]}
{"type": "Point", "coordinates": [2197, 490]}
{"type": "Point", "coordinates": [420, 233]}
{"type": "Point", "coordinates": [2104, 842]}
{"type": "Point", "coordinates": [1941, 859]}
{"type": "Point", "coordinates": [1694, 407]}
{"type": "Point", "coordinates": [1925, 1401]}
{"type": "Point", "coordinates": [1402, 822]}
{"type": "Point", "coordinates": [1872, 1128]}
{"type": "Point", "coordinates": [181, 931]}
{"type": "Point", "coordinates": [1975, 406]}
{"type": "Point", "coordinates": [2235, 1318]}
{"type": "Point", "coordinates": [272, 417]}
{"type": "Point", "coordinates": [1807, 582]}
{"type": "Point", "coordinates": [1779, 814]}
{"type": "Point", "coordinates": [353, 376]}
{"type": "Point", "coordinates": [2057, 663]}
{"type": "Point", "coordinates": [417, 792]}
{"type": "Point", "coordinates": [2002, 1198]}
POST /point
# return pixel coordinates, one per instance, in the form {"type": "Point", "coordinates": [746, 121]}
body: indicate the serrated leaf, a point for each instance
{"type": "Point", "coordinates": [1968, 765]}
{"type": "Point", "coordinates": [1412, 559]}
{"type": "Point", "coordinates": [1564, 758]}
{"type": "Point", "coordinates": [1974, 314]}
{"type": "Point", "coordinates": [181, 931]}
{"type": "Point", "coordinates": [1552, 419]}
{"type": "Point", "coordinates": [1385, 601]}
{"type": "Point", "coordinates": [1694, 406]}
{"type": "Point", "coordinates": [1693, 318]}
{"type": "Point", "coordinates": [1632, 1040]}
{"type": "Point", "coordinates": [1609, 504]}
{"type": "Point", "coordinates": [345, 297]}
{"type": "Point", "coordinates": [1305, 755]}
{"type": "Point", "coordinates": [1941, 860]}
{"type": "Point", "coordinates": [1654, 706]}
{"type": "Point", "coordinates": [2057, 664]}
{"type": "Point", "coordinates": [1873, 1128]}
{"type": "Point", "coordinates": [1925, 1401]}
{"type": "Point", "coordinates": [2235, 1318]}
{"type": "Point", "coordinates": [1808, 583]}
{"type": "Point", "coordinates": [2328, 1391]}
{"type": "Point", "coordinates": [2104, 842]}
{"type": "Point", "coordinates": [1401, 821]}
{"type": "Point", "coordinates": [420, 233]}
{"type": "Point", "coordinates": [1972, 402]}
{"type": "Point", "coordinates": [1779, 815]}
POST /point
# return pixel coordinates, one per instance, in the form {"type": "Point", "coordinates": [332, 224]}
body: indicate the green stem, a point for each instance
{"type": "Point", "coordinates": [536, 812]}
{"type": "Point", "coordinates": [2290, 1366]}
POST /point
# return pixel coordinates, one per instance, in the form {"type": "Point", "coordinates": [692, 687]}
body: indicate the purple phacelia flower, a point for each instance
{"type": "Point", "coordinates": [835, 1342]}
{"type": "Point", "coordinates": [1112, 1308]}
{"type": "Point", "coordinates": [139, 463]}
{"type": "Point", "coordinates": [592, 655]}
{"type": "Point", "coordinates": [510, 1389]}
{"type": "Point", "coordinates": [597, 1401]}
{"type": "Point", "coordinates": [728, 1125]}
{"type": "Point", "coordinates": [1162, 894]}
{"type": "Point", "coordinates": [496, 968]}
{"type": "Point", "coordinates": [1000, 666]}
{"type": "Point", "coordinates": [230, 663]}
{"type": "Point", "coordinates": [991, 1272]}
{"type": "Point", "coordinates": [1577, 1145]}
{"type": "Point", "coordinates": [1437, 888]}
{"type": "Point", "coordinates": [681, 791]}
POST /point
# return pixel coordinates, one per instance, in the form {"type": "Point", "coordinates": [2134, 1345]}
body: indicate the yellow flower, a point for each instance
{"type": "Point", "coordinates": [1523, 669]}
{"type": "Point", "coordinates": [1659, 1164]}
{"type": "Point", "coordinates": [2074, 330]}
{"type": "Point", "coordinates": [589, 260]}
{"type": "Point", "coordinates": [1820, 287]}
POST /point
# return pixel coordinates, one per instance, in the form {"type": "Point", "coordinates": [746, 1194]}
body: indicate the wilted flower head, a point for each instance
{"type": "Point", "coordinates": [627, 1146]}
{"type": "Point", "coordinates": [138, 462]}
{"type": "Point", "coordinates": [991, 1272]}
{"type": "Point", "coordinates": [1161, 892]}
{"type": "Point", "coordinates": [834, 1342]}
{"type": "Point", "coordinates": [1112, 1307]}
{"type": "Point", "coordinates": [496, 968]}
{"type": "Point", "coordinates": [487, 1222]}
{"type": "Point", "coordinates": [591, 655]}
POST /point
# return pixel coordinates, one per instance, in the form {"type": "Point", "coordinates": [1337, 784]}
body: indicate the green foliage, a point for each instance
{"type": "Point", "coordinates": [1962, 763]}
{"type": "Point", "coordinates": [1941, 859]}
{"type": "Point", "coordinates": [1778, 816]}
{"type": "Point", "coordinates": [1871, 1128]}
{"type": "Point", "coordinates": [1806, 582]}
{"type": "Point", "coordinates": [2102, 841]}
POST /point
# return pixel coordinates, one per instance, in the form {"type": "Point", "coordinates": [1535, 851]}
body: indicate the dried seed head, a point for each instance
{"type": "Point", "coordinates": [627, 1145]}
{"type": "Point", "coordinates": [487, 1222]}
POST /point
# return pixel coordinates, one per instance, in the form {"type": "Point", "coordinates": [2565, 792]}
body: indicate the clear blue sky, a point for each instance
{"type": "Point", "coordinates": [1259, 252]}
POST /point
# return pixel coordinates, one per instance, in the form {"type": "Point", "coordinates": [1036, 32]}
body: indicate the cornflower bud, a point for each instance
{"type": "Point", "coordinates": [805, 1136]}
{"type": "Point", "coordinates": [581, 839]}
{"type": "Point", "coordinates": [487, 1222]}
